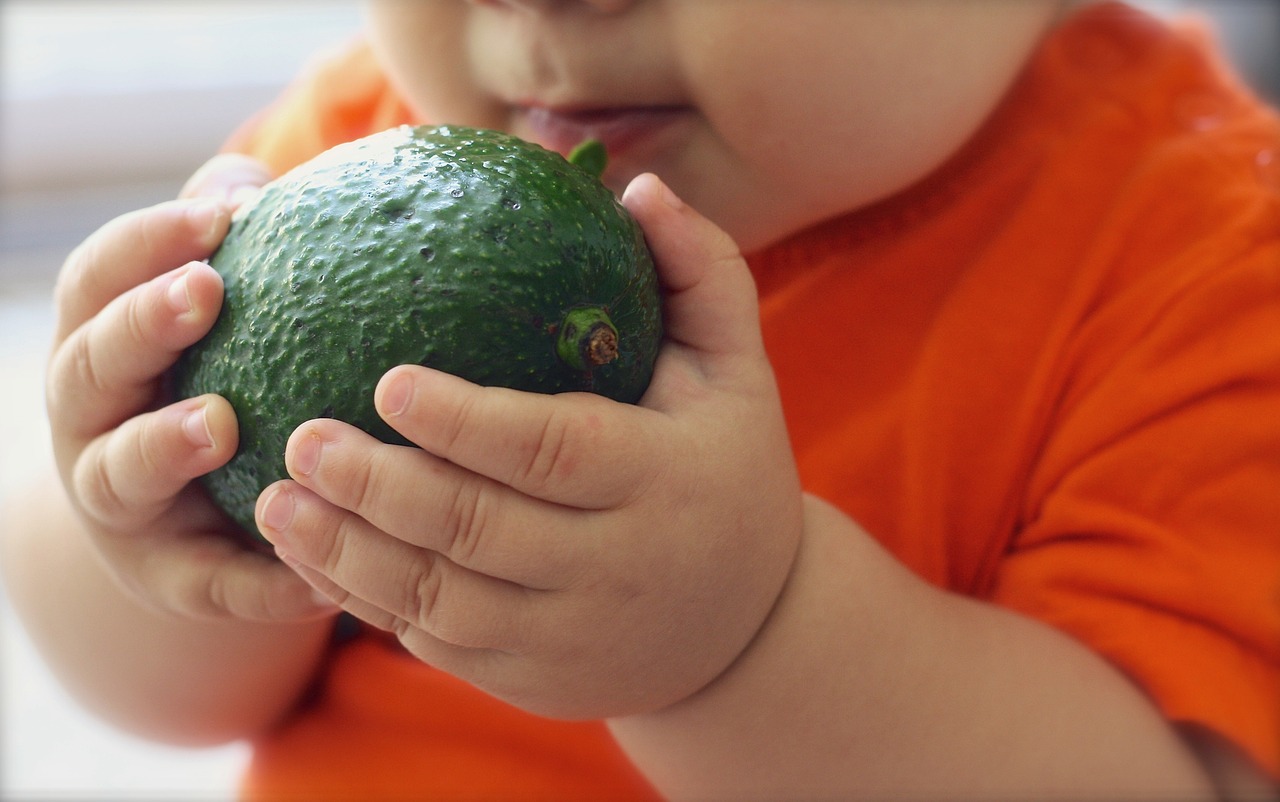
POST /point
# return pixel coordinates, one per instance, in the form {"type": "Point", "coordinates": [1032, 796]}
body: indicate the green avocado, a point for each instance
{"type": "Point", "coordinates": [466, 250]}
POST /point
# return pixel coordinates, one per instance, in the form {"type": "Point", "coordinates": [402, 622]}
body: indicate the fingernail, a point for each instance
{"type": "Point", "coordinates": [396, 396]}
{"type": "Point", "coordinates": [668, 197]}
{"type": "Point", "coordinates": [277, 510]}
{"type": "Point", "coordinates": [196, 427]}
{"type": "Point", "coordinates": [204, 216]}
{"type": "Point", "coordinates": [306, 454]}
{"type": "Point", "coordinates": [179, 294]}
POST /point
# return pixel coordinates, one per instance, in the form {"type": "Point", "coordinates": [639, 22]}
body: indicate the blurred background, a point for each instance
{"type": "Point", "coordinates": [106, 107]}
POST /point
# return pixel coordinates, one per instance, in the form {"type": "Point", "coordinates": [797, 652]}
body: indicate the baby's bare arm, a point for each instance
{"type": "Point", "coordinates": [868, 683]}
{"type": "Point", "coordinates": [155, 674]}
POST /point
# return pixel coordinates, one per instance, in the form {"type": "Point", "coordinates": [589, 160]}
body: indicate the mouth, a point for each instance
{"type": "Point", "coordinates": [620, 129]}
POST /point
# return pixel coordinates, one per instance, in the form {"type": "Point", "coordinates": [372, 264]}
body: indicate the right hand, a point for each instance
{"type": "Point", "coordinates": [129, 299]}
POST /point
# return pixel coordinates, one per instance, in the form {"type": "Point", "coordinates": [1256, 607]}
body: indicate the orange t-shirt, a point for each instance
{"type": "Point", "coordinates": [1047, 376]}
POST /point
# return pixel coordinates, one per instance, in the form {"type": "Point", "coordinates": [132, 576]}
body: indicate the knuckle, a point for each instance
{"type": "Point", "coordinates": [97, 492]}
{"type": "Point", "coordinates": [363, 485]}
{"type": "Point", "coordinates": [136, 323]}
{"type": "Point", "coordinates": [457, 424]}
{"type": "Point", "coordinates": [211, 598]}
{"type": "Point", "coordinates": [83, 372]}
{"type": "Point", "coordinates": [201, 580]}
{"type": "Point", "coordinates": [154, 449]}
{"type": "Point", "coordinates": [425, 597]}
{"type": "Point", "coordinates": [333, 540]}
{"type": "Point", "coordinates": [554, 456]}
{"type": "Point", "coordinates": [465, 523]}
{"type": "Point", "coordinates": [200, 596]}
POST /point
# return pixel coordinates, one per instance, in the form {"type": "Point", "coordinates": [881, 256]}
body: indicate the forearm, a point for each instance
{"type": "Point", "coordinates": [866, 682]}
{"type": "Point", "coordinates": [163, 677]}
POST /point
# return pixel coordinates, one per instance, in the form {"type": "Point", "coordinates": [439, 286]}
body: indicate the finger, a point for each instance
{"type": "Point", "coordinates": [709, 294]}
{"type": "Point", "coordinates": [105, 370]}
{"type": "Point", "coordinates": [366, 566]}
{"type": "Point", "coordinates": [132, 249]}
{"type": "Point", "coordinates": [129, 475]}
{"type": "Point", "coordinates": [181, 558]}
{"type": "Point", "coordinates": [474, 664]}
{"type": "Point", "coordinates": [206, 575]}
{"type": "Point", "coordinates": [431, 503]}
{"type": "Point", "coordinates": [576, 449]}
{"type": "Point", "coordinates": [232, 177]}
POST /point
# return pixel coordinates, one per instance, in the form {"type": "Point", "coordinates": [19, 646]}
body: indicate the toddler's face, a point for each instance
{"type": "Point", "coordinates": [766, 115]}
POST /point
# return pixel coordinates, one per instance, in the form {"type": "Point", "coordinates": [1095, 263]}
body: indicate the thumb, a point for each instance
{"type": "Point", "coordinates": [231, 176]}
{"type": "Point", "coordinates": [710, 297]}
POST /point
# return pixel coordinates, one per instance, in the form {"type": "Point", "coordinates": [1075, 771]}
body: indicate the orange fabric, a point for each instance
{"type": "Point", "coordinates": [389, 728]}
{"type": "Point", "coordinates": [1046, 376]}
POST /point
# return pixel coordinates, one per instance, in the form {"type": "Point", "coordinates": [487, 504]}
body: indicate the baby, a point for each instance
{"type": "Point", "coordinates": [960, 484]}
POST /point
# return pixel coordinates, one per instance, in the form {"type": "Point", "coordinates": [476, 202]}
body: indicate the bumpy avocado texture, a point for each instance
{"type": "Point", "coordinates": [465, 250]}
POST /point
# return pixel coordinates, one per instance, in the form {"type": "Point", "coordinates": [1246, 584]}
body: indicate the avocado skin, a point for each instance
{"type": "Point", "coordinates": [456, 248]}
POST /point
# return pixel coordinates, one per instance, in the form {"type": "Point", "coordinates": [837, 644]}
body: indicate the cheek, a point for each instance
{"type": "Point", "coordinates": [797, 156]}
{"type": "Point", "coordinates": [423, 47]}
{"type": "Point", "coordinates": [798, 129]}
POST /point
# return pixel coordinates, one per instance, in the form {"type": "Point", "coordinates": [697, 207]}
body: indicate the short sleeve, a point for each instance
{"type": "Point", "coordinates": [1152, 529]}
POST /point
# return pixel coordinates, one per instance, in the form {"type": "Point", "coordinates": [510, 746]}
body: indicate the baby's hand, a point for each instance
{"type": "Point", "coordinates": [129, 299]}
{"type": "Point", "coordinates": [575, 556]}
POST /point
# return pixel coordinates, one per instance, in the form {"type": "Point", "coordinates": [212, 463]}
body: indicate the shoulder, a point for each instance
{"type": "Point", "coordinates": [1166, 166]}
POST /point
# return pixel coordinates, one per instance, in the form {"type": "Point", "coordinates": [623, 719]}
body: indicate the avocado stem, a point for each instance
{"type": "Point", "coordinates": [590, 155]}
{"type": "Point", "coordinates": [587, 339]}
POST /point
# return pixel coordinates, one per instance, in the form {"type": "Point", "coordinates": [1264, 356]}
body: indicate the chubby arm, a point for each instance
{"type": "Point", "coordinates": [156, 674]}
{"type": "Point", "coordinates": [865, 682]}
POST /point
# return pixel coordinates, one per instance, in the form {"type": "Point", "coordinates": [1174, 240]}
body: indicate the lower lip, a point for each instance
{"type": "Point", "coordinates": [619, 130]}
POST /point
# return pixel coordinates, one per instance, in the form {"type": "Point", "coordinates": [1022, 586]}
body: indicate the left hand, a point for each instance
{"type": "Point", "coordinates": [572, 555]}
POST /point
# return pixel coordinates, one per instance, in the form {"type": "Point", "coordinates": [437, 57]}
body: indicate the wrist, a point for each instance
{"type": "Point", "coordinates": [832, 636]}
